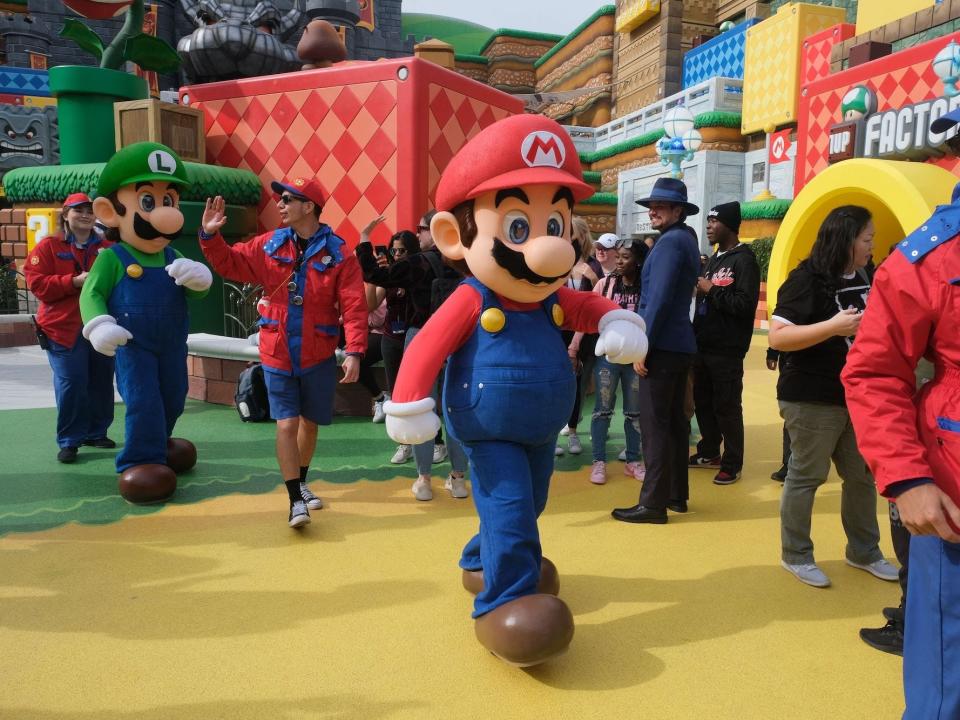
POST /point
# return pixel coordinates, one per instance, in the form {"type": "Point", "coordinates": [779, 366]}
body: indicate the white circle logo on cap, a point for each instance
{"type": "Point", "coordinates": [543, 149]}
{"type": "Point", "coordinates": [161, 162]}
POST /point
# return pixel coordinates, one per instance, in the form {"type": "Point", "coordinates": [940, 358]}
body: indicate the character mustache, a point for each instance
{"type": "Point", "coordinates": [147, 231]}
{"type": "Point", "coordinates": [515, 264]}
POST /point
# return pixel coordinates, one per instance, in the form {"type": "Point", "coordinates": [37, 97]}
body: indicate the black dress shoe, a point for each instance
{"type": "Point", "coordinates": [67, 455]}
{"type": "Point", "coordinates": [103, 443]}
{"type": "Point", "coordinates": [780, 475]}
{"type": "Point", "coordinates": [640, 514]}
{"type": "Point", "coordinates": [678, 506]}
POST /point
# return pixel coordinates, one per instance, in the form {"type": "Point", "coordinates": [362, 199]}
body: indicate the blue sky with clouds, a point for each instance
{"type": "Point", "coordinates": [549, 16]}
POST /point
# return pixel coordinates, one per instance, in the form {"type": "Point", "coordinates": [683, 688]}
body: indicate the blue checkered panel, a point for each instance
{"type": "Point", "coordinates": [723, 56]}
{"type": "Point", "coordinates": [24, 81]}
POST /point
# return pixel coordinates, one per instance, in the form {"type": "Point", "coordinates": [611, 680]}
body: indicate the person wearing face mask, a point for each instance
{"type": "Point", "coordinates": [56, 270]}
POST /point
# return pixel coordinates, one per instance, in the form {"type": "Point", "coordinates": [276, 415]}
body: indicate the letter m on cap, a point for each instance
{"type": "Point", "coordinates": [543, 149]}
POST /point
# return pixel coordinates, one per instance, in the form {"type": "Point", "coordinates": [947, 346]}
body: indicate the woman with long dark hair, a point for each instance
{"type": "Point", "coordinates": [816, 318]}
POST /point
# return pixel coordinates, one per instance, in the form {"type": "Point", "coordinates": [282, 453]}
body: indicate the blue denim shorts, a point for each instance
{"type": "Point", "coordinates": [309, 395]}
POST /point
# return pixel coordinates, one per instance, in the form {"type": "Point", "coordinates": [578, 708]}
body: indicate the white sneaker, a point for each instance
{"type": "Point", "coordinates": [879, 569]}
{"type": "Point", "coordinates": [439, 453]}
{"type": "Point", "coordinates": [403, 453]}
{"type": "Point", "coordinates": [807, 573]}
{"type": "Point", "coordinates": [421, 489]}
{"type": "Point", "coordinates": [456, 485]}
{"type": "Point", "coordinates": [378, 414]}
{"type": "Point", "coordinates": [566, 430]}
{"type": "Point", "coordinates": [622, 457]}
{"type": "Point", "coordinates": [573, 444]}
{"type": "Point", "coordinates": [558, 451]}
{"type": "Point", "coordinates": [312, 501]}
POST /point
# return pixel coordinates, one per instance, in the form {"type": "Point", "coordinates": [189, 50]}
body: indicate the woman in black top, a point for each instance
{"type": "Point", "coordinates": [817, 315]}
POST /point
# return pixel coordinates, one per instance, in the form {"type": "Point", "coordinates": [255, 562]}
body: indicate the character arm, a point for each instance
{"type": "Point", "coordinates": [42, 280]}
{"type": "Point", "coordinates": [242, 262]}
{"type": "Point", "coordinates": [353, 305]}
{"type": "Point", "coordinates": [104, 275]}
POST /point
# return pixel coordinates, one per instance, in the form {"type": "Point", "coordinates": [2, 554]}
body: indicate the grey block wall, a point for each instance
{"type": "Point", "coordinates": [386, 41]}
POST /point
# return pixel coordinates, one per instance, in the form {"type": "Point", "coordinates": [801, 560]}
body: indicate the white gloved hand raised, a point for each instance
{"type": "Point", "coordinates": [411, 423]}
{"type": "Point", "coordinates": [623, 337]}
{"type": "Point", "coordinates": [105, 335]}
{"type": "Point", "coordinates": [190, 274]}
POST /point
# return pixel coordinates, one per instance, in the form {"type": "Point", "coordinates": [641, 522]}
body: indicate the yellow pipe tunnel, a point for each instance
{"type": "Point", "coordinates": [900, 196]}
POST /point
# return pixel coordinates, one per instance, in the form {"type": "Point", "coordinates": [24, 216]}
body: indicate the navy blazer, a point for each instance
{"type": "Point", "coordinates": [668, 279]}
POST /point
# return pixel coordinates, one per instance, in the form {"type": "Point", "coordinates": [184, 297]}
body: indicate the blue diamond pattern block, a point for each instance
{"type": "Point", "coordinates": [723, 56]}
{"type": "Point", "coordinates": [24, 81]}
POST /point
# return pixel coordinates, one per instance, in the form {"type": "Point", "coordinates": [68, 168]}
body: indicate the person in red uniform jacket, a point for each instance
{"type": "Point", "coordinates": [911, 440]}
{"type": "Point", "coordinates": [308, 281]}
{"type": "Point", "coordinates": [82, 379]}
{"type": "Point", "coordinates": [505, 203]}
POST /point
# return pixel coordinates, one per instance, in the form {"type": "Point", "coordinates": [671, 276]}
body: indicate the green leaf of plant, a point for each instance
{"type": "Point", "coordinates": [83, 36]}
{"type": "Point", "coordinates": [151, 53]}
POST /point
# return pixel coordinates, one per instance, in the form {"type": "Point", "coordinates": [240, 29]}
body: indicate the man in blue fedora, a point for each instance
{"type": "Point", "coordinates": [668, 280]}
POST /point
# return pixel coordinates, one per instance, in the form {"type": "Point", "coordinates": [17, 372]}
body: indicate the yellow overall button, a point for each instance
{"type": "Point", "coordinates": [134, 271]}
{"type": "Point", "coordinates": [558, 315]}
{"type": "Point", "coordinates": [493, 320]}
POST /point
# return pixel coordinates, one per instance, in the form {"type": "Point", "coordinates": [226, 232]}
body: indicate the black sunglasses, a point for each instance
{"type": "Point", "coordinates": [398, 251]}
{"type": "Point", "coordinates": [287, 199]}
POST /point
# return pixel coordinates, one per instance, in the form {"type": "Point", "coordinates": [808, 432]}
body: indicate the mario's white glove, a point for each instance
{"type": "Point", "coordinates": [105, 335]}
{"type": "Point", "coordinates": [411, 423]}
{"type": "Point", "coordinates": [190, 273]}
{"type": "Point", "coordinates": [623, 337]}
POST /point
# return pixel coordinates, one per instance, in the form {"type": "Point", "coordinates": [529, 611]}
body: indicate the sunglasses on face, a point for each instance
{"type": "Point", "coordinates": [287, 199]}
{"type": "Point", "coordinates": [398, 251]}
{"type": "Point", "coordinates": [423, 228]}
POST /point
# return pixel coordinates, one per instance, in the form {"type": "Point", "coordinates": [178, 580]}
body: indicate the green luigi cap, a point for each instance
{"type": "Point", "coordinates": [141, 162]}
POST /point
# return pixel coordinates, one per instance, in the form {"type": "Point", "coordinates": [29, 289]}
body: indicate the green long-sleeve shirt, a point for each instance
{"type": "Point", "coordinates": [108, 270]}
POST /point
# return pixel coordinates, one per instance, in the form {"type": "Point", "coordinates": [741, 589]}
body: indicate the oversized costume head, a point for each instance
{"type": "Point", "coordinates": [138, 196]}
{"type": "Point", "coordinates": [505, 204]}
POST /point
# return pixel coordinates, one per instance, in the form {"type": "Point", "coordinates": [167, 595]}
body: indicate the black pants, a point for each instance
{"type": "Point", "coordinates": [664, 429]}
{"type": "Point", "coordinates": [718, 399]}
{"type": "Point", "coordinates": [901, 547]}
{"type": "Point", "coordinates": [371, 358]}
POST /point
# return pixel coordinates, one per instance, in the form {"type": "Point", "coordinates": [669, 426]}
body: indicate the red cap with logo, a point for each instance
{"type": "Point", "coordinates": [77, 199]}
{"type": "Point", "coordinates": [304, 187]}
{"type": "Point", "coordinates": [513, 152]}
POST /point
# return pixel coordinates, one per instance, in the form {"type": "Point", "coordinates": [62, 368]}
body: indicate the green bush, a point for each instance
{"type": "Point", "coordinates": [762, 248]}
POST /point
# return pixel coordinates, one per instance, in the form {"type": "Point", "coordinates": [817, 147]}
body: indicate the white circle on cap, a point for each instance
{"type": "Point", "coordinates": [162, 162]}
{"type": "Point", "coordinates": [542, 148]}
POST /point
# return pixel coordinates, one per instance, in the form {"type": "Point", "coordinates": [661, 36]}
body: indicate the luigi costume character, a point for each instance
{"type": "Point", "coordinates": [134, 306]}
{"type": "Point", "coordinates": [505, 203]}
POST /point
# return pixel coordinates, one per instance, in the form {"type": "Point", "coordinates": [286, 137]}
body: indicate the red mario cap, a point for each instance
{"type": "Point", "coordinates": [513, 152]}
{"type": "Point", "coordinates": [304, 187]}
{"type": "Point", "coordinates": [77, 199]}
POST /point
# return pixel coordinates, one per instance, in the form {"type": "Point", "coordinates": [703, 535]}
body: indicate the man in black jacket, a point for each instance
{"type": "Point", "coordinates": [727, 297]}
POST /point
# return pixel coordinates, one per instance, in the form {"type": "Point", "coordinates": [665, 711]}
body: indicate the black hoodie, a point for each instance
{"type": "Point", "coordinates": [725, 316]}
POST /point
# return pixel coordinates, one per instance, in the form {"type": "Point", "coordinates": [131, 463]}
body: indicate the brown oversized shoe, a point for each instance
{"type": "Point", "coordinates": [549, 579]}
{"type": "Point", "coordinates": [527, 631]}
{"type": "Point", "coordinates": [145, 484]}
{"type": "Point", "coordinates": [181, 454]}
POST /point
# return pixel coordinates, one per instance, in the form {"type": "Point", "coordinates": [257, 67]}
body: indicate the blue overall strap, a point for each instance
{"type": "Point", "coordinates": [169, 255]}
{"type": "Point", "coordinates": [487, 296]}
{"type": "Point", "coordinates": [548, 304]}
{"type": "Point", "coordinates": [280, 236]}
{"type": "Point", "coordinates": [942, 226]}
{"type": "Point", "coordinates": [325, 239]}
{"type": "Point", "coordinates": [125, 257]}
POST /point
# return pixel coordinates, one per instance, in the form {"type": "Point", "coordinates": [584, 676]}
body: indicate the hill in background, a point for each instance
{"type": "Point", "coordinates": [466, 37]}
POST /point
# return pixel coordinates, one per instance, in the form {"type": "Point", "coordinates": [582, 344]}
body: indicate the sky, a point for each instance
{"type": "Point", "coordinates": [550, 16]}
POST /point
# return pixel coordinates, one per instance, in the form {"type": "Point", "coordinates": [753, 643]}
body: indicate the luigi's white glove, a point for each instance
{"type": "Point", "coordinates": [411, 423]}
{"type": "Point", "coordinates": [190, 273]}
{"type": "Point", "coordinates": [105, 335]}
{"type": "Point", "coordinates": [623, 337]}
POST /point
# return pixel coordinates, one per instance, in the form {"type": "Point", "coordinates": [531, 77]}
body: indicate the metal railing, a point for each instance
{"type": "Point", "coordinates": [15, 299]}
{"type": "Point", "coordinates": [240, 314]}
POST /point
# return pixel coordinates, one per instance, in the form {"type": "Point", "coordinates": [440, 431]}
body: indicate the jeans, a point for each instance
{"type": "Point", "coordinates": [83, 387]}
{"type": "Point", "coordinates": [607, 376]}
{"type": "Point", "coordinates": [819, 433]}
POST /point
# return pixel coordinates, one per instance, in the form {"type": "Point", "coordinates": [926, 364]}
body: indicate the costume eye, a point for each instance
{"type": "Point", "coordinates": [147, 202]}
{"type": "Point", "coordinates": [29, 135]}
{"type": "Point", "coordinates": [555, 225]}
{"type": "Point", "coordinates": [516, 227]}
{"type": "Point", "coordinates": [9, 132]}
{"type": "Point", "coordinates": [169, 200]}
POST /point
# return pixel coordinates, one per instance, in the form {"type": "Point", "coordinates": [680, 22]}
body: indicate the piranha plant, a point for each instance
{"type": "Point", "coordinates": [131, 43]}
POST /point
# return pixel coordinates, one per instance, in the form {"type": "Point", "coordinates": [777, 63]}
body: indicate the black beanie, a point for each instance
{"type": "Point", "coordinates": [728, 214]}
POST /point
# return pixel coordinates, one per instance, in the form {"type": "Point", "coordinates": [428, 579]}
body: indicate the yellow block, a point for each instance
{"type": "Point", "coordinates": [900, 196]}
{"type": "Point", "coordinates": [37, 101]}
{"type": "Point", "coordinates": [872, 14]}
{"type": "Point", "coordinates": [771, 77]}
{"type": "Point", "coordinates": [41, 222]}
{"type": "Point", "coordinates": [634, 13]}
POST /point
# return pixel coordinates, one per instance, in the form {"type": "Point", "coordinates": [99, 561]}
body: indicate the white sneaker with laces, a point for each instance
{"type": "Point", "coordinates": [439, 453]}
{"type": "Point", "coordinates": [622, 457]}
{"type": "Point", "coordinates": [403, 453]}
{"type": "Point", "coordinates": [456, 485]}
{"type": "Point", "coordinates": [379, 415]}
{"type": "Point", "coordinates": [566, 430]}
{"type": "Point", "coordinates": [879, 569]}
{"type": "Point", "coordinates": [421, 489]}
{"type": "Point", "coordinates": [312, 501]}
{"type": "Point", "coordinates": [807, 573]}
{"type": "Point", "coordinates": [298, 514]}
{"type": "Point", "coordinates": [573, 444]}
{"type": "Point", "coordinates": [558, 451]}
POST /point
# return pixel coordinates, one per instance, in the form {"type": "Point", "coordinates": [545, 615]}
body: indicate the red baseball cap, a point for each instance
{"type": "Point", "coordinates": [513, 152]}
{"type": "Point", "coordinates": [304, 187]}
{"type": "Point", "coordinates": [77, 199]}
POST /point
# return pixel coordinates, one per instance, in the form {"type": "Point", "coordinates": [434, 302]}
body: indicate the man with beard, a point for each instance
{"type": "Point", "coordinates": [134, 305]}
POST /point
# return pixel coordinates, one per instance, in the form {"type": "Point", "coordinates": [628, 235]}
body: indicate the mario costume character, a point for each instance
{"type": "Point", "coordinates": [911, 439]}
{"type": "Point", "coordinates": [134, 306]}
{"type": "Point", "coordinates": [505, 203]}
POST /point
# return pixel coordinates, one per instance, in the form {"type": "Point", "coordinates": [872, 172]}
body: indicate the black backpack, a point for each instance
{"type": "Point", "coordinates": [445, 280]}
{"type": "Point", "coordinates": [251, 398]}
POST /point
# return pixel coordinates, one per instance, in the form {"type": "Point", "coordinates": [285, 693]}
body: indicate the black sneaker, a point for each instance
{"type": "Point", "coordinates": [780, 475]}
{"type": "Point", "coordinates": [312, 501]}
{"type": "Point", "coordinates": [103, 443]}
{"type": "Point", "coordinates": [888, 639]}
{"type": "Point", "coordinates": [701, 461]}
{"type": "Point", "coordinates": [894, 614]}
{"type": "Point", "coordinates": [67, 455]}
{"type": "Point", "coordinates": [299, 515]}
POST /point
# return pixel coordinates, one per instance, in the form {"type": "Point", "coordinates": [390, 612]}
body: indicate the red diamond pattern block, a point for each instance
{"type": "Point", "coordinates": [371, 140]}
